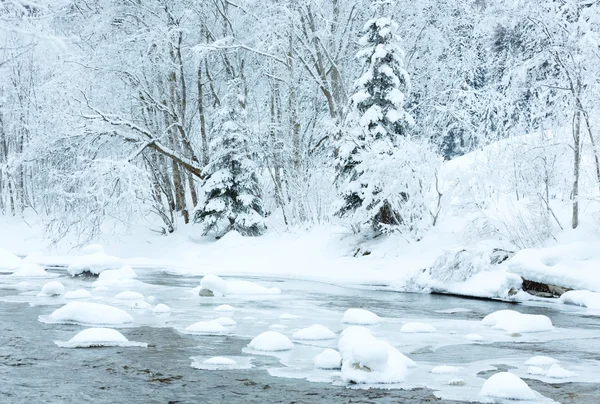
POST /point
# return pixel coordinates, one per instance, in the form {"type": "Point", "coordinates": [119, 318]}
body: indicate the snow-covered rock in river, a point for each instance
{"type": "Point", "coordinates": [220, 287]}
{"type": "Point", "coordinates": [584, 298]}
{"type": "Point", "coordinates": [53, 288]}
{"type": "Point", "coordinates": [315, 332]}
{"type": "Point", "coordinates": [115, 277]}
{"type": "Point", "coordinates": [514, 322]}
{"type": "Point", "coordinates": [271, 341]}
{"type": "Point", "coordinates": [328, 359]}
{"type": "Point", "coordinates": [129, 295]}
{"type": "Point", "coordinates": [225, 308]}
{"type": "Point", "coordinates": [366, 359]}
{"type": "Point", "coordinates": [445, 369]}
{"type": "Point", "coordinates": [9, 261]}
{"type": "Point", "coordinates": [140, 305]}
{"type": "Point", "coordinates": [220, 361]}
{"type": "Point", "coordinates": [475, 337]}
{"type": "Point", "coordinates": [507, 386]}
{"type": "Point", "coordinates": [77, 294]}
{"type": "Point", "coordinates": [206, 328]}
{"type": "Point", "coordinates": [417, 328]}
{"type": "Point", "coordinates": [98, 337]}
{"type": "Point", "coordinates": [90, 313]}
{"type": "Point", "coordinates": [31, 270]}
{"type": "Point", "coordinates": [360, 317]}
{"type": "Point", "coordinates": [94, 264]}
{"type": "Point", "coordinates": [226, 321]}
{"type": "Point", "coordinates": [558, 372]}
{"type": "Point", "coordinates": [161, 309]}
{"type": "Point", "coordinates": [541, 361]}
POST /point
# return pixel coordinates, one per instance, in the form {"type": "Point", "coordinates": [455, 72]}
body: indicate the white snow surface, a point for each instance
{"type": "Point", "coordinates": [220, 361]}
{"type": "Point", "coordinates": [222, 287]}
{"type": "Point", "coordinates": [99, 337]}
{"type": "Point", "coordinates": [53, 288]}
{"type": "Point", "coordinates": [508, 386]}
{"type": "Point", "coordinates": [541, 360]}
{"type": "Point", "coordinates": [94, 263]}
{"type": "Point", "coordinates": [328, 359]}
{"type": "Point", "coordinates": [584, 298]}
{"type": "Point", "coordinates": [271, 341]}
{"type": "Point", "coordinates": [8, 260]}
{"type": "Point", "coordinates": [445, 369]}
{"type": "Point", "coordinates": [206, 328]}
{"type": "Point", "coordinates": [161, 308]}
{"type": "Point", "coordinates": [360, 317]}
{"type": "Point", "coordinates": [77, 294]}
{"type": "Point", "coordinates": [31, 270]}
{"type": "Point", "coordinates": [514, 322]}
{"type": "Point", "coordinates": [315, 332]}
{"type": "Point", "coordinates": [225, 308]}
{"type": "Point", "coordinates": [226, 321]}
{"type": "Point", "coordinates": [129, 295]}
{"type": "Point", "coordinates": [417, 328]}
{"type": "Point", "coordinates": [288, 316]}
{"type": "Point", "coordinates": [90, 313]}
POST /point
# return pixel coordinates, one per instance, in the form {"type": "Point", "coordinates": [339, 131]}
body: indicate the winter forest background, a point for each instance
{"type": "Point", "coordinates": [225, 113]}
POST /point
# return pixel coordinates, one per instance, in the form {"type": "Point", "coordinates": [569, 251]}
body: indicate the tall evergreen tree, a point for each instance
{"type": "Point", "coordinates": [232, 197]}
{"type": "Point", "coordinates": [377, 125]}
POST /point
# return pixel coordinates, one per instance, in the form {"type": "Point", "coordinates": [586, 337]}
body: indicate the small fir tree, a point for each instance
{"type": "Point", "coordinates": [232, 197]}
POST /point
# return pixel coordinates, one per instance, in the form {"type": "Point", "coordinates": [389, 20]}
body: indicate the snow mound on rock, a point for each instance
{"type": "Point", "coordinates": [99, 337]}
{"type": "Point", "coordinates": [140, 305]}
{"type": "Point", "coordinates": [541, 361]}
{"type": "Point", "coordinates": [584, 298]}
{"type": "Point", "coordinates": [558, 372]}
{"type": "Point", "coordinates": [221, 363]}
{"type": "Point", "coordinates": [115, 277]}
{"type": "Point", "coordinates": [445, 370]}
{"type": "Point", "coordinates": [417, 328]}
{"type": "Point", "coordinates": [508, 386]}
{"type": "Point", "coordinates": [315, 332]}
{"type": "Point", "coordinates": [225, 308]}
{"type": "Point", "coordinates": [368, 360]}
{"type": "Point", "coordinates": [94, 263]}
{"type": "Point", "coordinates": [53, 288]}
{"type": "Point", "coordinates": [77, 294]}
{"type": "Point", "coordinates": [129, 295]}
{"type": "Point", "coordinates": [271, 341]}
{"type": "Point", "coordinates": [31, 270]}
{"type": "Point", "coordinates": [515, 322]}
{"type": "Point", "coordinates": [90, 313]}
{"type": "Point", "coordinates": [361, 317]}
{"type": "Point", "coordinates": [475, 337]}
{"type": "Point", "coordinates": [226, 321]}
{"type": "Point", "coordinates": [161, 309]}
{"type": "Point", "coordinates": [8, 260]}
{"type": "Point", "coordinates": [206, 328]}
{"type": "Point", "coordinates": [221, 287]}
{"type": "Point", "coordinates": [328, 359]}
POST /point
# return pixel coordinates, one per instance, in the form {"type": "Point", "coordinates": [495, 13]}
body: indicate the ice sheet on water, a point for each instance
{"type": "Point", "coordinates": [129, 295]}
{"type": "Point", "coordinates": [77, 294]}
{"type": "Point", "coordinates": [417, 328]}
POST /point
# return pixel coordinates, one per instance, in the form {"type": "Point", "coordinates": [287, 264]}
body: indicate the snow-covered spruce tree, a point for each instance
{"type": "Point", "coordinates": [232, 197]}
{"type": "Point", "coordinates": [382, 172]}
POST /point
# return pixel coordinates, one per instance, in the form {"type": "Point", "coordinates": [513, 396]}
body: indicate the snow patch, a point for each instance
{"type": "Point", "coordinates": [90, 313]}
{"type": "Point", "coordinates": [53, 288]}
{"type": "Point", "coordinates": [271, 341]}
{"type": "Point", "coordinates": [99, 337]}
{"type": "Point", "coordinates": [315, 332]}
{"type": "Point", "coordinates": [361, 317]}
{"type": "Point", "coordinates": [508, 386]}
{"type": "Point", "coordinates": [328, 359]}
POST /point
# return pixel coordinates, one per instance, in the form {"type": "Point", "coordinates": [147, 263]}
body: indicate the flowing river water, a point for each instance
{"type": "Point", "coordinates": [33, 369]}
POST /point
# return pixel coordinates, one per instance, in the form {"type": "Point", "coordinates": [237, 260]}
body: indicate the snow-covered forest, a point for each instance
{"type": "Point", "coordinates": [234, 114]}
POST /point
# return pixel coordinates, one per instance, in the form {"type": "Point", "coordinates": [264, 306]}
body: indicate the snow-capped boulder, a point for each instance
{"type": "Point", "coordinates": [226, 321]}
{"type": "Point", "coordinates": [115, 277]}
{"type": "Point", "coordinates": [225, 308]}
{"type": "Point", "coordinates": [53, 288]}
{"type": "Point", "coordinates": [161, 309]}
{"type": "Point", "coordinates": [505, 385]}
{"type": "Point", "coordinates": [360, 317]}
{"type": "Point", "coordinates": [99, 337]}
{"type": "Point", "coordinates": [413, 328]}
{"type": "Point", "coordinates": [475, 337]}
{"type": "Point", "coordinates": [90, 313]}
{"type": "Point", "coordinates": [93, 264]}
{"type": "Point", "coordinates": [77, 294]}
{"type": "Point", "coordinates": [315, 332]}
{"type": "Point", "coordinates": [9, 261]}
{"type": "Point", "coordinates": [271, 341]}
{"type": "Point", "coordinates": [213, 285]}
{"type": "Point", "coordinates": [220, 361]}
{"type": "Point", "coordinates": [541, 361]}
{"type": "Point", "coordinates": [558, 372]}
{"type": "Point", "coordinates": [328, 359]}
{"type": "Point", "coordinates": [584, 298]}
{"type": "Point", "coordinates": [206, 328]}
{"type": "Point", "coordinates": [515, 322]}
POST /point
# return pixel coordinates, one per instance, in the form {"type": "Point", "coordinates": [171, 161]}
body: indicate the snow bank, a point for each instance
{"type": "Point", "coordinates": [94, 263]}
{"type": "Point", "coordinates": [417, 328]}
{"type": "Point", "coordinates": [573, 265]}
{"type": "Point", "coordinates": [90, 313]}
{"type": "Point", "coordinates": [31, 270]}
{"type": "Point", "coordinates": [221, 287]}
{"type": "Point", "coordinates": [508, 386]}
{"type": "Point", "coordinates": [315, 332]}
{"type": "Point", "coordinates": [328, 359]}
{"type": "Point", "coordinates": [99, 337]}
{"type": "Point", "coordinates": [270, 341]}
{"type": "Point", "coordinates": [584, 298]}
{"type": "Point", "coordinates": [129, 295]}
{"type": "Point", "coordinates": [206, 328]}
{"type": "Point", "coordinates": [368, 360]}
{"type": "Point", "coordinates": [77, 294]}
{"type": "Point", "coordinates": [8, 260]}
{"type": "Point", "coordinates": [161, 309]}
{"type": "Point", "coordinates": [361, 317]}
{"type": "Point", "coordinates": [53, 288]}
{"type": "Point", "coordinates": [515, 322]}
